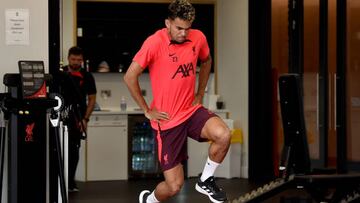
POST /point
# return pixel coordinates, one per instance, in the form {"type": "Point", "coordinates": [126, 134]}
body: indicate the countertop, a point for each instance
{"type": "Point", "coordinates": [109, 111]}
{"type": "Point", "coordinates": [117, 111]}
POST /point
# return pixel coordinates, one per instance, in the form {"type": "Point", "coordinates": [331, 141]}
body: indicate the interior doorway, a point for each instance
{"type": "Point", "coordinates": [307, 39]}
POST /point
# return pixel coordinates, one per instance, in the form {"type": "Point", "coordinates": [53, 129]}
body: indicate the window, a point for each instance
{"type": "Point", "coordinates": [113, 32]}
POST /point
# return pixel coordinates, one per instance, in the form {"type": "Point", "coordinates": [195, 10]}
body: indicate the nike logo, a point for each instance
{"type": "Point", "coordinates": [172, 55]}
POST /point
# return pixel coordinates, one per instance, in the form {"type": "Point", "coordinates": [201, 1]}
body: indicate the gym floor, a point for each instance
{"type": "Point", "coordinates": [127, 191]}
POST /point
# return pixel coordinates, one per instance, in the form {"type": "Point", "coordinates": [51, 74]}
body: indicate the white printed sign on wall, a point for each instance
{"type": "Point", "coordinates": [17, 26]}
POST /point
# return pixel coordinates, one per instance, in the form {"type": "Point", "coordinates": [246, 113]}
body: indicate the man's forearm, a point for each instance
{"type": "Point", "coordinates": [90, 106]}
{"type": "Point", "coordinates": [205, 68]}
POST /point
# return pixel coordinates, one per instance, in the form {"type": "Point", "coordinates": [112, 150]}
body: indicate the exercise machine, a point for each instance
{"type": "Point", "coordinates": [27, 109]}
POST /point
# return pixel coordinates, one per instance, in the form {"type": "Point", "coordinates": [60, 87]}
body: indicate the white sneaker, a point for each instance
{"type": "Point", "coordinates": [75, 189]}
{"type": "Point", "coordinates": [143, 196]}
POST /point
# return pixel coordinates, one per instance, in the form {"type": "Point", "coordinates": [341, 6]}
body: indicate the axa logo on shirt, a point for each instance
{"type": "Point", "coordinates": [184, 70]}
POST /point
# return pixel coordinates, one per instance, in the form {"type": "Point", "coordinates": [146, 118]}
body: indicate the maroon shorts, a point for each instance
{"type": "Point", "coordinates": [171, 143]}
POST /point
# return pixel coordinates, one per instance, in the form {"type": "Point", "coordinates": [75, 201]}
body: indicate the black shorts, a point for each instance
{"type": "Point", "coordinates": [171, 143]}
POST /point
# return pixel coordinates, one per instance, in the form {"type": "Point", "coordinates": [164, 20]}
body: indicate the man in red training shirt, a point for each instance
{"type": "Point", "coordinates": [176, 112]}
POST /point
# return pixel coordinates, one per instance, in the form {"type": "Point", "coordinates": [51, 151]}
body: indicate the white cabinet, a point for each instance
{"type": "Point", "coordinates": [105, 154]}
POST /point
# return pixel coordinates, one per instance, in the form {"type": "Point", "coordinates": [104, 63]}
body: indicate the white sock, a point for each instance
{"type": "Point", "coordinates": [151, 198]}
{"type": "Point", "coordinates": [209, 169]}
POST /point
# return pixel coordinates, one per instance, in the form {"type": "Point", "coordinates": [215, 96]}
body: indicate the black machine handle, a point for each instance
{"type": "Point", "coordinates": [12, 79]}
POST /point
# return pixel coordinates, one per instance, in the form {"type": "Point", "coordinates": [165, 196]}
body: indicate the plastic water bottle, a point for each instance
{"type": "Point", "coordinates": [123, 104]}
{"type": "Point", "coordinates": [138, 162]}
{"type": "Point", "coordinates": [133, 162]}
{"type": "Point", "coordinates": [87, 66]}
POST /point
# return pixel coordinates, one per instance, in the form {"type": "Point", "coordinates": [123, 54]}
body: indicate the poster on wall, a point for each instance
{"type": "Point", "coordinates": [17, 26]}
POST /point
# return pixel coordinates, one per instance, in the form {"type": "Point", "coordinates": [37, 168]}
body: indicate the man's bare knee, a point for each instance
{"type": "Point", "coordinates": [222, 136]}
{"type": "Point", "coordinates": [175, 187]}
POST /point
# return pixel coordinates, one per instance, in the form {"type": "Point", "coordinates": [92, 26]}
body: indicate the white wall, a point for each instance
{"type": "Point", "coordinates": [36, 50]}
{"type": "Point", "coordinates": [115, 83]}
{"type": "Point", "coordinates": [38, 47]}
{"type": "Point", "coordinates": [232, 65]}
{"type": "Point", "coordinates": [68, 20]}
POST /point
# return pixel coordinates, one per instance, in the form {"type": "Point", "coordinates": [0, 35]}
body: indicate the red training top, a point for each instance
{"type": "Point", "coordinates": [172, 69]}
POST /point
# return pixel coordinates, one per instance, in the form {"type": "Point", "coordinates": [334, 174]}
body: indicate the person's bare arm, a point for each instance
{"type": "Point", "coordinates": [89, 110]}
{"type": "Point", "coordinates": [90, 106]}
{"type": "Point", "coordinates": [205, 68]}
{"type": "Point", "coordinates": [131, 79]}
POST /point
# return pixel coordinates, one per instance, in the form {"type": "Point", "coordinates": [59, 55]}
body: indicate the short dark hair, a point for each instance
{"type": "Point", "coordinates": [181, 9]}
{"type": "Point", "coordinates": [75, 50]}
